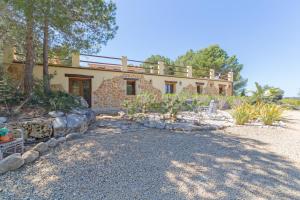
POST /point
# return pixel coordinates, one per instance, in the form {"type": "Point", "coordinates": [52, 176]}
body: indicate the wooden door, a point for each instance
{"type": "Point", "coordinates": [81, 87]}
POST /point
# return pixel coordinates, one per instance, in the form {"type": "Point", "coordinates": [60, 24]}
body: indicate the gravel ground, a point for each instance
{"type": "Point", "coordinates": [121, 160]}
{"type": "Point", "coordinates": [282, 141]}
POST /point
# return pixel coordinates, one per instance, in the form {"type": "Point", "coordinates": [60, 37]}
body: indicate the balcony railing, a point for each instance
{"type": "Point", "coordinates": [122, 64]}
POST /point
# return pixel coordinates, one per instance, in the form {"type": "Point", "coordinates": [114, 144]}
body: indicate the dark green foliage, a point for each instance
{"type": "Point", "coordinates": [10, 93]}
{"type": "Point", "coordinates": [81, 25]}
{"type": "Point", "coordinates": [55, 100]}
{"type": "Point", "coordinates": [144, 102]}
{"type": "Point", "coordinates": [172, 104]}
{"type": "Point", "coordinates": [266, 94]}
{"type": "Point", "coordinates": [170, 70]}
{"type": "Point", "coordinates": [290, 103]}
{"type": "Point", "coordinates": [55, 28]}
{"type": "Point", "coordinates": [214, 57]}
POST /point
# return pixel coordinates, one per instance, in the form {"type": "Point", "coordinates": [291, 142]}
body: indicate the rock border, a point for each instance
{"type": "Point", "coordinates": [16, 160]}
{"type": "Point", "coordinates": [193, 122]}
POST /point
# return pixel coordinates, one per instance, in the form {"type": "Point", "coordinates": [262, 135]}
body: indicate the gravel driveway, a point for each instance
{"type": "Point", "coordinates": [120, 160]}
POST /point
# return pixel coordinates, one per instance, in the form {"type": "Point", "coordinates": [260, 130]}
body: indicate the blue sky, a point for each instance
{"type": "Point", "coordinates": [264, 34]}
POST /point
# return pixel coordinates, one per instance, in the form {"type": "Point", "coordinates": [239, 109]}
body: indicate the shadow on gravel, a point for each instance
{"type": "Point", "coordinates": [225, 166]}
{"type": "Point", "coordinates": [154, 164]}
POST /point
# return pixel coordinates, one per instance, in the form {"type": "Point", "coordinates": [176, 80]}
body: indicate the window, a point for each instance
{"type": "Point", "coordinates": [81, 87]}
{"type": "Point", "coordinates": [170, 87]}
{"type": "Point", "coordinates": [200, 87]}
{"type": "Point", "coordinates": [222, 90]}
{"type": "Point", "coordinates": [130, 87]}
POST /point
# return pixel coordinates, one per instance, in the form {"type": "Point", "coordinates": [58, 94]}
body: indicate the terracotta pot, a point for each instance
{"type": "Point", "coordinates": [11, 136]}
{"type": "Point", "coordinates": [5, 138]}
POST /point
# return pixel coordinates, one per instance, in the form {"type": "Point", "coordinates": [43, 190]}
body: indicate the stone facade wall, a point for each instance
{"type": "Point", "coordinates": [211, 89]}
{"type": "Point", "coordinates": [229, 90]}
{"type": "Point", "coordinates": [109, 87]}
{"type": "Point", "coordinates": [112, 92]}
{"type": "Point", "coordinates": [190, 89]}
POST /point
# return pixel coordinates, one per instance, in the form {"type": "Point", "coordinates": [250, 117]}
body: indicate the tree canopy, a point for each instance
{"type": "Point", "coordinates": [57, 26]}
{"type": "Point", "coordinates": [212, 57]}
{"type": "Point", "coordinates": [266, 94]}
{"type": "Point", "coordinates": [154, 59]}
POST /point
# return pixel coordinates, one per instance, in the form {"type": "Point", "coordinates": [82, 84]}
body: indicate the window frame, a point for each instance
{"type": "Point", "coordinates": [200, 88]}
{"type": "Point", "coordinates": [222, 90]}
{"type": "Point", "coordinates": [172, 89]}
{"type": "Point", "coordinates": [133, 85]}
{"type": "Point", "coordinates": [81, 88]}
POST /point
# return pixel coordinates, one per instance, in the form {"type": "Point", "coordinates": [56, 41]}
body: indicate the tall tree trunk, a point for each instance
{"type": "Point", "coordinates": [46, 77]}
{"type": "Point", "coordinates": [29, 62]}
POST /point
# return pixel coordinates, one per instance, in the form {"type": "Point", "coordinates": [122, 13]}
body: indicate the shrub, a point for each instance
{"type": "Point", "coordinates": [266, 94]}
{"type": "Point", "coordinates": [131, 107]}
{"type": "Point", "coordinates": [55, 100]}
{"type": "Point", "coordinates": [203, 100]}
{"type": "Point", "coordinates": [243, 114]}
{"type": "Point", "coordinates": [235, 101]}
{"type": "Point", "coordinates": [269, 113]}
{"type": "Point", "coordinates": [290, 103]}
{"type": "Point", "coordinates": [173, 104]}
{"type": "Point", "coordinates": [224, 102]}
{"type": "Point", "coordinates": [143, 102]}
{"type": "Point", "coordinates": [10, 92]}
{"type": "Point", "coordinates": [63, 101]}
{"type": "Point", "coordinates": [146, 101]}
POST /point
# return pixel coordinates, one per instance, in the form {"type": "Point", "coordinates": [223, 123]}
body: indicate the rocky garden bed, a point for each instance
{"type": "Point", "coordinates": [186, 121]}
{"type": "Point", "coordinates": [41, 134]}
{"type": "Point", "coordinates": [54, 124]}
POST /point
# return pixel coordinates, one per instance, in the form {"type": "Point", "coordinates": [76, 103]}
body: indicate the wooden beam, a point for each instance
{"type": "Point", "coordinates": [78, 76]}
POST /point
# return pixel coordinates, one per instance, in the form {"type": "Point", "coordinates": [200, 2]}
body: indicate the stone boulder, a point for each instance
{"type": "Point", "coordinates": [30, 156]}
{"type": "Point", "coordinates": [77, 123]}
{"type": "Point", "coordinates": [61, 140]}
{"type": "Point", "coordinates": [122, 114]}
{"type": "Point", "coordinates": [11, 162]}
{"type": "Point", "coordinates": [3, 120]}
{"type": "Point", "coordinates": [73, 136]}
{"type": "Point", "coordinates": [79, 111]}
{"type": "Point", "coordinates": [59, 126]}
{"type": "Point", "coordinates": [52, 142]}
{"type": "Point", "coordinates": [56, 114]}
{"type": "Point", "coordinates": [83, 102]}
{"type": "Point", "coordinates": [41, 147]}
{"type": "Point", "coordinates": [91, 116]}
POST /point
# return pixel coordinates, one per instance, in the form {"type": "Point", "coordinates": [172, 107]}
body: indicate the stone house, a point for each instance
{"type": "Point", "coordinates": [107, 85]}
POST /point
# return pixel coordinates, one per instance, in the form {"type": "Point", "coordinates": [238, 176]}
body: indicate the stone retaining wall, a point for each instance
{"type": "Point", "coordinates": [57, 124]}
{"type": "Point", "coordinates": [112, 92]}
